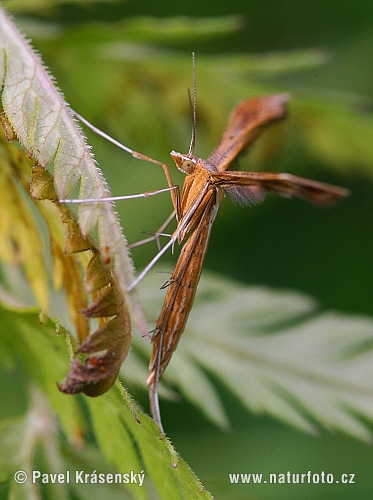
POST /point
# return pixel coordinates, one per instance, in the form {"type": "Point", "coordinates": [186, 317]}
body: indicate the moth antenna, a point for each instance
{"type": "Point", "coordinates": [193, 106]}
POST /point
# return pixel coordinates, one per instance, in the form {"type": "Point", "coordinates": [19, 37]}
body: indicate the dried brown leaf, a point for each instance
{"type": "Point", "coordinates": [72, 253]}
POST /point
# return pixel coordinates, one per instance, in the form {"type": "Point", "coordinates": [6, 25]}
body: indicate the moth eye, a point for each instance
{"type": "Point", "coordinates": [188, 166]}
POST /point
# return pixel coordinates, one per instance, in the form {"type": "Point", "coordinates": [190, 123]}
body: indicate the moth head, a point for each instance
{"type": "Point", "coordinates": [185, 163]}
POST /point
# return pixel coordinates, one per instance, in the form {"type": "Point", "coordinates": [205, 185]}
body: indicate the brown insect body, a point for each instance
{"type": "Point", "coordinates": [183, 283]}
{"type": "Point", "coordinates": [204, 186]}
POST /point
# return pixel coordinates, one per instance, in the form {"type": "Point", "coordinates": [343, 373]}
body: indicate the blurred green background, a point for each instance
{"type": "Point", "coordinates": [137, 92]}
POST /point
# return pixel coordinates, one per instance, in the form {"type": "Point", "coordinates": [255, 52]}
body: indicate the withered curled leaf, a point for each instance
{"type": "Point", "coordinates": [73, 254]}
{"type": "Point", "coordinates": [108, 346]}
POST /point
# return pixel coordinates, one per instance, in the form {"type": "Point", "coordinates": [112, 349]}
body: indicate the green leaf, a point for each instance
{"type": "Point", "coordinates": [337, 133]}
{"type": "Point", "coordinates": [277, 353]}
{"type": "Point", "coordinates": [179, 30]}
{"type": "Point", "coordinates": [10, 432]}
{"type": "Point", "coordinates": [40, 5]}
{"type": "Point", "coordinates": [137, 444]}
{"type": "Point", "coordinates": [45, 127]}
{"type": "Point", "coordinates": [129, 440]}
{"type": "Point", "coordinates": [44, 356]}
